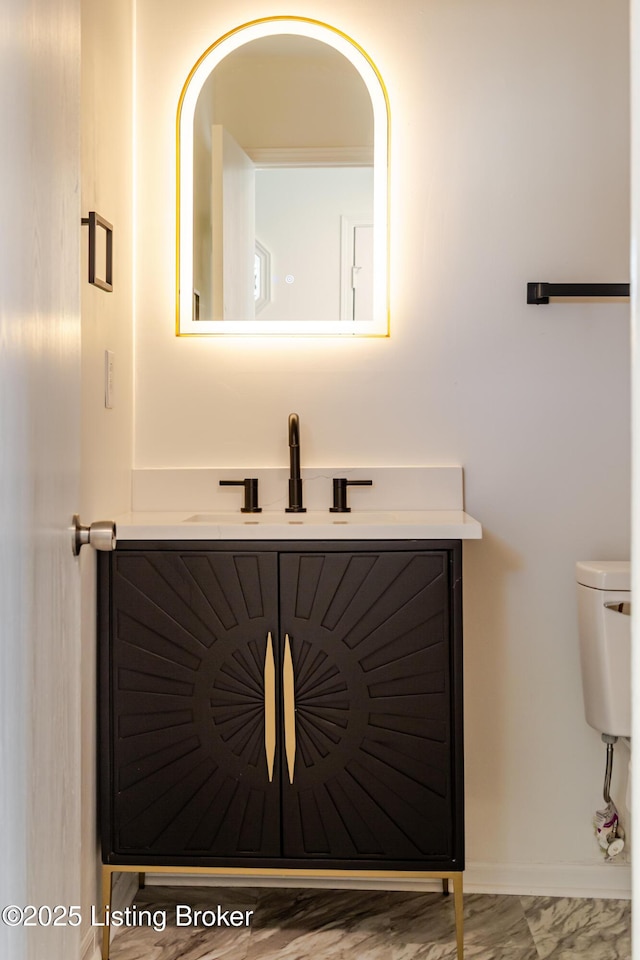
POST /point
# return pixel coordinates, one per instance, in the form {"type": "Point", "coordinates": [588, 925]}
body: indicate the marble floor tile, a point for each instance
{"type": "Point", "coordinates": [295, 924]}
{"type": "Point", "coordinates": [494, 927]}
{"type": "Point", "coordinates": [307, 924]}
{"type": "Point", "coordinates": [186, 942]}
{"type": "Point", "coordinates": [422, 917]}
{"type": "Point", "coordinates": [564, 929]}
{"type": "Point", "coordinates": [497, 920]}
{"type": "Point", "coordinates": [448, 951]}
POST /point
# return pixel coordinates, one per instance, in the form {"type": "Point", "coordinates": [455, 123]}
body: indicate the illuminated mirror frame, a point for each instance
{"type": "Point", "coordinates": [256, 29]}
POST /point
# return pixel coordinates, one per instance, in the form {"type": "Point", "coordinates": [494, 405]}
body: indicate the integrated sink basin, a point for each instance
{"type": "Point", "coordinates": [304, 518]}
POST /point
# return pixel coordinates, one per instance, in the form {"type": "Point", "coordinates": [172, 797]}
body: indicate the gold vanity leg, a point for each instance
{"type": "Point", "coordinates": [458, 908]}
{"type": "Point", "coordinates": [107, 876]}
{"type": "Point", "coordinates": [141, 880]}
{"type": "Point", "coordinates": [445, 886]}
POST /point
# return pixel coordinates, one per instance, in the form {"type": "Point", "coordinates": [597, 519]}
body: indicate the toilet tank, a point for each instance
{"type": "Point", "coordinates": [604, 624]}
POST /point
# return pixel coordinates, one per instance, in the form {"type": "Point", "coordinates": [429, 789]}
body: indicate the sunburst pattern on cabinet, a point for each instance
{"type": "Point", "coordinates": [370, 645]}
{"type": "Point", "coordinates": [365, 763]}
{"type": "Point", "coordinates": [188, 705]}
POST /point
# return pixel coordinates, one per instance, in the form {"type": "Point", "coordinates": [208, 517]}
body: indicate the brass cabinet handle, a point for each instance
{"type": "Point", "coordinates": [289, 696]}
{"type": "Point", "coordinates": [269, 706]}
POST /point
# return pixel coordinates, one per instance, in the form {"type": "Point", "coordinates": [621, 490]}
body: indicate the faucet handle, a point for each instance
{"type": "Point", "coordinates": [340, 485]}
{"type": "Point", "coordinates": [250, 485]}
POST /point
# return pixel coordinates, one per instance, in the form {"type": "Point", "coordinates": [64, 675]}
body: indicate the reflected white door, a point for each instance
{"type": "Point", "coordinates": [233, 246]}
{"type": "Point", "coordinates": [39, 471]}
{"type": "Point", "coordinates": [356, 275]}
{"type": "Point", "coordinates": [362, 281]}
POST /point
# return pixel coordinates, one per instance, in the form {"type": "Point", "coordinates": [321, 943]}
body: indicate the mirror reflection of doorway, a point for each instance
{"type": "Point", "coordinates": [299, 211]}
{"type": "Point", "coordinates": [307, 262]}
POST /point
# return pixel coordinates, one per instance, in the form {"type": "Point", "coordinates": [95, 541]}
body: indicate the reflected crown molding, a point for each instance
{"type": "Point", "coordinates": [311, 156]}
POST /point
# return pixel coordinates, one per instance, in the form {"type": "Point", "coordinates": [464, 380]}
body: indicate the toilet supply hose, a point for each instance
{"type": "Point", "coordinates": [609, 767]}
{"type": "Point", "coordinates": [606, 821]}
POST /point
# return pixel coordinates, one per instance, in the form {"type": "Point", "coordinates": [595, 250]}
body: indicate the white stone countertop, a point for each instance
{"type": "Point", "coordinates": [313, 525]}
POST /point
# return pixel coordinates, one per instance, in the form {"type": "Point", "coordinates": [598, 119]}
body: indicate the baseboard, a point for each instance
{"type": "Point", "coordinates": [304, 883]}
{"type": "Point", "coordinates": [90, 946]}
{"type": "Point", "coordinates": [123, 890]}
{"type": "Point", "coordinates": [590, 880]}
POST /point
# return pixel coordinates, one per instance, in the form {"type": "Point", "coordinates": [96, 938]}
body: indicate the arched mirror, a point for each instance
{"type": "Point", "coordinates": [282, 180]}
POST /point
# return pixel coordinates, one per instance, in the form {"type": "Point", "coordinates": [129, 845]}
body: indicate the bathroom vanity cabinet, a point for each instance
{"type": "Point", "coordinates": [282, 704]}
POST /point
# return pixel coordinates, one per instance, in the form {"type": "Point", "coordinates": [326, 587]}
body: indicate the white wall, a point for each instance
{"type": "Point", "coordinates": [509, 163]}
{"type": "Point", "coordinates": [107, 323]}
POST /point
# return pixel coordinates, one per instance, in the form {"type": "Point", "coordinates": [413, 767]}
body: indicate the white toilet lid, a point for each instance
{"type": "Point", "coordinates": [604, 574]}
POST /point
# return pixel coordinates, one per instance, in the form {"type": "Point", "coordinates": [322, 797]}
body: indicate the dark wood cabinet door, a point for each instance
{"type": "Point", "coordinates": [189, 775]}
{"type": "Point", "coordinates": [370, 636]}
